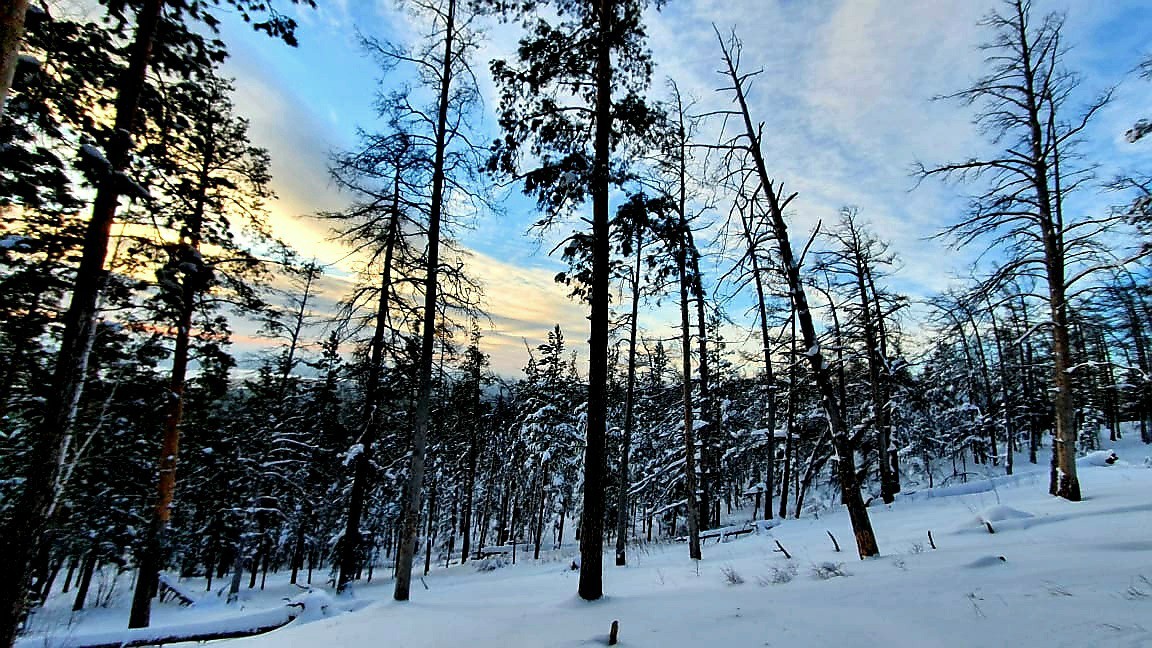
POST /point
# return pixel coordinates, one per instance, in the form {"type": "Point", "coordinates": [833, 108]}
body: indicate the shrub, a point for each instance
{"type": "Point", "coordinates": [731, 576]}
{"type": "Point", "coordinates": [827, 570]}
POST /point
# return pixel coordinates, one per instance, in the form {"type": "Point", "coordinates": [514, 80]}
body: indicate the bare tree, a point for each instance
{"type": "Point", "coordinates": [1020, 209]}
{"type": "Point", "coordinates": [749, 139]}
{"type": "Point", "coordinates": [856, 259]}
{"type": "Point", "coordinates": [448, 74]}
{"type": "Point", "coordinates": [752, 266]}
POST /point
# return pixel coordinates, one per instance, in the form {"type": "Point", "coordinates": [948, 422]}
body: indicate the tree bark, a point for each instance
{"type": "Point", "coordinates": [350, 546]}
{"type": "Point", "coordinates": [629, 404]}
{"type": "Point", "coordinates": [11, 35]}
{"type": "Point", "coordinates": [790, 423]}
{"type": "Point", "coordinates": [469, 493]}
{"type": "Point", "coordinates": [591, 586]}
{"type": "Point", "coordinates": [85, 581]}
{"type": "Point", "coordinates": [690, 512]}
{"type": "Point", "coordinates": [1005, 410]}
{"type": "Point", "coordinates": [709, 461]}
{"type": "Point", "coordinates": [769, 375]}
{"type": "Point", "coordinates": [1064, 482]}
{"type": "Point", "coordinates": [192, 286]}
{"type": "Point", "coordinates": [890, 457]}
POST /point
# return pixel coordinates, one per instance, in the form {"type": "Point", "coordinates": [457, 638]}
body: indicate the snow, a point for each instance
{"type": "Point", "coordinates": [13, 241]}
{"type": "Point", "coordinates": [1000, 512]}
{"type": "Point", "coordinates": [1098, 458]}
{"type": "Point", "coordinates": [95, 155]}
{"type": "Point", "coordinates": [1054, 573]}
{"type": "Point", "coordinates": [353, 452]}
{"type": "Point", "coordinates": [779, 434]}
{"type": "Point", "coordinates": [219, 625]}
{"type": "Point", "coordinates": [1138, 131]}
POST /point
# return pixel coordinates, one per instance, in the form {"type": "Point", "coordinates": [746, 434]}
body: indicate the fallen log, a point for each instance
{"type": "Point", "coordinates": [245, 626]}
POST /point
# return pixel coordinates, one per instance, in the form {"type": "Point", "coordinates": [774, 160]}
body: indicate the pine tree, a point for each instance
{"type": "Point", "coordinates": [213, 183]}
{"type": "Point", "coordinates": [109, 171]}
{"type": "Point", "coordinates": [575, 138]}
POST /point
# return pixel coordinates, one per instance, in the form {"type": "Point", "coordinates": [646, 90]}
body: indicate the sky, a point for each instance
{"type": "Point", "coordinates": [846, 95]}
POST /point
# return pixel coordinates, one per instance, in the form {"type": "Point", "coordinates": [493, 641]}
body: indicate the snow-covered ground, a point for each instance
{"type": "Point", "coordinates": [1054, 573]}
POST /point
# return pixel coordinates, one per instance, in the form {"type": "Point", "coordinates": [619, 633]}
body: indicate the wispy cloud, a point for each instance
{"type": "Point", "coordinates": [845, 95]}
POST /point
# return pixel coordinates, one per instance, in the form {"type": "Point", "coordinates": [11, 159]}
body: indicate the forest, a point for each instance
{"type": "Point", "coordinates": [737, 364]}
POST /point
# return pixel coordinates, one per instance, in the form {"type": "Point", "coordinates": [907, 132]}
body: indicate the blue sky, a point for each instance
{"type": "Point", "coordinates": [846, 93]}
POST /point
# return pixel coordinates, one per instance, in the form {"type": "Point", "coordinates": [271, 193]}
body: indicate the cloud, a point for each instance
{"type": "Point", "coordinates": [845, 95]}
{"type": "Point", "coordinates": [524, 304]}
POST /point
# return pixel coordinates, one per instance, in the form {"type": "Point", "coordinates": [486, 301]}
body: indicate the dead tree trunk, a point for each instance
{"type": "Point", "coordinates": [350, 549]}
{"type": "Point", "coordinates": [410, 520]}
{"type": "Point", "coordinates": [857, 513]}
{"type": "Point", "coordinates": [750, 239]}
{"type": "Point", "coordinates": [790, 423]}
{"type": "Point", "coordinates": [629, 402]}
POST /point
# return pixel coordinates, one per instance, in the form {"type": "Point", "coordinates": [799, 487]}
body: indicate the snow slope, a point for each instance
{"type": "Point", "coordinates": [1054, 573]}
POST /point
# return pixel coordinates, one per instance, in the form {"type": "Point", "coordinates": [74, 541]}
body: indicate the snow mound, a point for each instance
{"type": "Point", "coordinates": [491, 563]}
{"type": "Point", "coordinates": [986, 561]}
{"type": "Point", "coordinates": [1099, 458]}
{"type": "Point", "coordinates": [999, 513]}
{"type": "Point", "coordinates": [997, 518]}
{"type": "Point", "coordinates": [206, 629]}
{"type": "Point", "coordinates": [315, 605]}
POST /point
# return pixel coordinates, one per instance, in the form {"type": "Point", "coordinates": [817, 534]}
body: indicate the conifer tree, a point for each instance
{"type": "Point", "coordinates": [568, 104]}
{"type": "Point", "coordinates": [211, 184]}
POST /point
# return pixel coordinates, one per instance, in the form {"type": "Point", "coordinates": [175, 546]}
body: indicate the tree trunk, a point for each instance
{"type": "Point", "coordinates": [18, 538]}
{"type": "Point", "coordinates": [790, 424]}
{"type": "Point", "coordinates": [1005, 411]}
{"type": "Point", "coordinates": [193, 283]}
{"type": "Point", "coordinates": [563, 517]}
{"type": "Point", "coordinates": [591, 586]}
{"type": "Point", "coordinates": [769, 375]}
{"type": "Point", "coordinates": [237, 571]}
{"type": "Point", "coordinates": [624, 477]}
{"type": "Point", "coordinates": [690, 512]}
{"type": "Point", "coordinates": [469, 491]}
{"type": "Point", "coordinates": [68, 576]}
{"type": "Point", "coordinates": [709, 460]}
{"type": "Point", "coordinates": [350, 546]}
{"type": "Point", "coordinates": [1064, 481]}
{"type": "Point", "coordinates": [857, 513]}
{"type": "Point", "coordinates": [410, 520]}
{"type": "Point", "coordinates": [11, 35]}
{"type": "Point", "coordinates": [540, 509]}
{"type": "Point", "coordinates": [889, 457]}
{"type": "Point", "coordinates": [986, 376]}
{"type": "Point", "coordinates": [430, 535]}
{"type": "Point", "coordinates": [452, 522]}
{"type": "Point", "coordinates": [298, 548]}
{"type": "Point", "coordinates": [1029, 396]}
{"type": "Point", "coordinates": [86, 572]}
